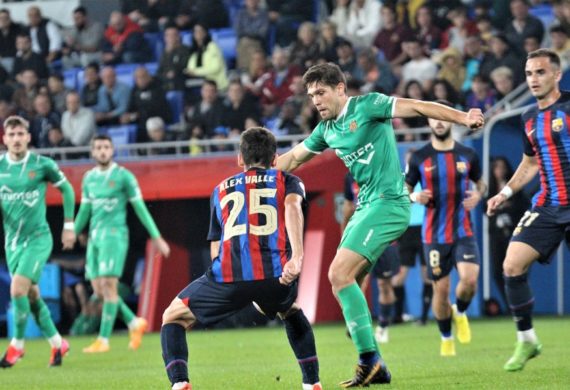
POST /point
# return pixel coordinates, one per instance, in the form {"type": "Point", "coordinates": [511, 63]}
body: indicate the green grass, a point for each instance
{"type": "Point", "coordinates": [261, 359]}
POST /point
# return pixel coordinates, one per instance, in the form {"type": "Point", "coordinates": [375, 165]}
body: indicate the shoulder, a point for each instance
{"type": "Point", "coordinates": [41, 160]}
{"type": "Point", "coordinates": [424, 152]}
{"type": "Point", "coordinates": [465, 150]}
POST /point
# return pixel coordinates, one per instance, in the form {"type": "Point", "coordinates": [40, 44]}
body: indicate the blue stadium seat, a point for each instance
{"type": "Point", "coordinates": [176, 102]}
{"type": "Point", "coordinates": [544, 13]}
{"type": "Point", "coordinates": [70, 78]}
{"type": "Point", "coordinates": [80, 79]}
{"type": "Point", "coordinates": [186, 37]}
{"type": "Point", "coordinates": [125, 73]}
{"type": "Point", "coordinates": [155, 43]}
{"type": "Point", "coordinates": [226, 39]}
{"type": "Point", "coordinates": [121, 135]}
{"type": "Point", "coordinates": [152, 67]}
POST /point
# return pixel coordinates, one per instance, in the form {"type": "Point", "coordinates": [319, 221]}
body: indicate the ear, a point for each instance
{"type": "Point", "coordinates": [240, 160]}
{"type": "Point", "coordinates": [274, 161]}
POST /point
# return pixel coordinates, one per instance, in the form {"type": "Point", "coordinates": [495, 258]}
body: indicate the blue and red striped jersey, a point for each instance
{"type": "Point", "coordinates": [547, 139]}
{"type": "Point", "coordinates": [447, 174]}
{"type": "Point", "coordinates": [247, 216]}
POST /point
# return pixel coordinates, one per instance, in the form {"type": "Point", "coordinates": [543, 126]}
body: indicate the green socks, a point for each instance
{"type": "Point", "coordinates": [108, 319]}
{"type": "Point", "coordinates": [358, 319]}
{"type": "Point", "coordinates": [42, 316]}
{"type": "Point", "coordinates": [21, 308]}
{"type": "Point", "coordinates": [125, 311]}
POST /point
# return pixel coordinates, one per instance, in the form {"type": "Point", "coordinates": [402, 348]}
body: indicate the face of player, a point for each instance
{"type": "Point", "coordinates": [102, 152]}
{"type": "Point", "coordinates": [327, 100]}
{"type": "Point", "coordinates": [16, 140]}
{"type": "Point", "coordinates": [542, 77]}
{"type": "Point", "coordinates": [440, 129]}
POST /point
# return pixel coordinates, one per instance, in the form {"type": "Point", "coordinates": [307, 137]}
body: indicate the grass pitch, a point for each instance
{"type": "Point", "coordinates": [261, 359]}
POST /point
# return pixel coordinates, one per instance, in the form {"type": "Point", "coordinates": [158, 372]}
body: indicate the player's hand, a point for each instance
{"type": "Point", "coordinates": [162, 246]}
{"type": "Point", "coordinates": [473, 198]}
{"type": "Point", "coordinates": [423, 197]}
{"type": "Point", "coordinates": [291, 271]}
{"type": "Point", "coordinates": [495, 203]}
{"type": "Point", "coordinates": [474, 119]}
{"type": "Point", "coordinates": [68, 238]}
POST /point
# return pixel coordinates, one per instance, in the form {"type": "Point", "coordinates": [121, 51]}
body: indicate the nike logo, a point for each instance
{"type": "Point", "coordinates": [466, 257]}
{"type": "Point", "coordinates": [429, 169]}
{"type": "Point", "coordinates": [530, 132]}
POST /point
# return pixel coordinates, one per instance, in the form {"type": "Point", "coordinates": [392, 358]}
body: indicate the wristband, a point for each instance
{"type": "Point", "coordinates": [414, 197]}
{"type": "Point", "coordinates": [507, 191]}
{"type": "Point", "coordinates": [69, 226]}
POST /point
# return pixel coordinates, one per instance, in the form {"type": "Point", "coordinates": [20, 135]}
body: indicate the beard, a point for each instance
{"type": "Point", "coordinates": [442, 137]}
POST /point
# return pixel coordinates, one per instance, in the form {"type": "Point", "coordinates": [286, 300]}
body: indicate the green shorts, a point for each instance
{"type": "Point", "coordinates": [107, 256]}
{"type": "Point", "coordinates": [374, 226]}
{"type": "Point", "coordinates": [28, 256]}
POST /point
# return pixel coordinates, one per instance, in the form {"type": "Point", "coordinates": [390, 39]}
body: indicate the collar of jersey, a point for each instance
{"type": "Point", "coordinates": [22, 161]}
{"type": "Point", "coordinates": [111, 167]}
{"type": "Point", "coordinates": [344, 109]}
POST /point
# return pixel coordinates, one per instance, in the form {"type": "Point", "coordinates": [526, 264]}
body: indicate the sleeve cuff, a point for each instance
{"type": "Point", "coordinates": [308, 149]}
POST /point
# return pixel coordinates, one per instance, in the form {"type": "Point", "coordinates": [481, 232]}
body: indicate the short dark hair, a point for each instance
{"type": "Point", "coordinates": [548, 53]}
{"type": "Point", "coordinates": [81, 10]}
{"type": "Point", "coordinates": [558, 29]}
{"type": "Point", "coordinates": [93, 65]}
{"type": "Point", "coordinates": [258, 146]}
{"type": "Point", "coordinates": [16, 121]}
{"type": "Point", "coordinates": [327, 74]}
{"type": "Point", "coordinates": [101, 137]}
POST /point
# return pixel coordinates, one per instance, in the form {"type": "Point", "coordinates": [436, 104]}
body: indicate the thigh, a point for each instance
{"type": "Point", "coordinates": [111, 257]}
{"type": "Point", "coordinates": [439, 260]}
{"type": "Point", "coordinates": [466, 250]}
{"type": "Point", "coordinates": [273, 297]}
{"type": "Point", "coordinates": [541, 229]}
{"type": "Point", "coordinates": [27, 258]}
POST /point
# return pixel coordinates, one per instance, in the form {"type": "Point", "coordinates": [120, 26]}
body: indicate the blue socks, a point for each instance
{"type": "Point", "coordinates": [175, 352]}
{"type": "Point", "coordinates": [520, 300]}
{"type": "Point", "coordinates": [444, 327]}
{"type": "Point", "coordinates": [302, 341]}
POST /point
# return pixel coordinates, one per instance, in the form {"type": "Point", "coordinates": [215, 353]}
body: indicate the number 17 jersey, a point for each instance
{"type": "Point", "coordinates": [247, 216]}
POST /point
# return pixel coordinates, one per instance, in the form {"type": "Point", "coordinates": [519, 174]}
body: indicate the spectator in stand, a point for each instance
{"type": "Point", "coordinates": [560, 45]}
{"type": "Point", "coordinates": [305, 51]}
{"type": "Point", "coordinates": [196, 135]}
{"type": "Point", "coordinates": [451, 67]}
{"type": "Point", "coordinates": [27, 59]}
{"type": "Point", "coordinates": [482, 96]}
{"type": "Point", "coordinates": [474, 54]}
{"type": "Point", "coordinates": [390, 37]}
{"type": "Point", "coordinates": [460, 29]}
{"type": "Point", "coordinates": [173, 61]}
{"type": "Point", "coordinates": [6, 110]}
{"type": "Point", "coordinates": [286, 15]}
{"type": "Point", "coordinates": [237, 107]}
{"type": "Point", "coordinates": [486, 29]}
{"type": "Point", "coordinates": [91, 86]}
{"type": "Point", "coordinates": [207, 112]}
{"type": "Point", "coordinates": [210, 13]}
{"type": "Point", "coordinates": [9, 30]}
{"type": "Point", "coordinates": [419, 67]}
{"type": "Point", "coordinates": [275, 89]}
{"type": "Point", "coordinates": [112, 99]}
{"type": "Point", "coordinates": [78, 123]}
{"type": "Point", "coordinates": [440, 9]}
{"type": "Point", "coordinates": [206, 60]}
{"type": "Point", "coordinates": [329, 41]}
{"type": "Point", "coordinates": [24, 96]}
{"type": "Point", "coordinates": [502, 79]}
{"type": "Point", "coordinates": [414, 90]}
{"type": "Point", "coordinates": [163, 13]}
{"type": "Point", "coordinates": [375, 75]}
{"type": "Point", "coordinates": [287, 123]}
{"type": "Point", "coordinates": [251, 25]}
{"type": "Point", "coordinates": [363, 22]}
{"type": "Point", "coordinates": [442, 90]}
{"type": "Point", "coordinates": [83, 41]}
{"type": "Point", "coordinates": [147, 100]}
{"type": "Point", "coordinates": [427, 32]}
{"type": "Point", "coordinates": [57, 92]}
{"type": "Point", "coordinates": [55, 139]}
{"type": "Point", "coordinates": [500, 55]}
{"type": "Point", "coordinates": [156, 132]}
{"type": "Point", "coordinates": [6, 88]}
{"type": "Point", "coordinates": [124, 41]}
{"type": "Point", "coordinates": [45, 118]}
{"type": "Point", "coordinates": [45, 34]}
{"type": "Point", "coordinates": [561, 11]}
{"type": "Point", "coordinates": [346, 58]}
{"type": "Point", "coordinates": [257, 73]}
{"type": "Point", "coordinates": [339, 17]}
{"type": "Point", "coordinates": [523, 25]}
{"type": "Point", "coordinates": [531, 44]}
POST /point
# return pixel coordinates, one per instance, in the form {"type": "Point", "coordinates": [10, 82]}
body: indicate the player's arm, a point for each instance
{"type": "Point", "coordinates": [413, 175]}
{"type": "Point", "coordinates": [214, 249]}
{"type": "Point", "coordinates": [68, 236]}
{"type": "Point", "coordinates": [294, 225]}
{"type": "Point", "coordinates": [409, 108]}
{"type": "Point", "coordinates": [474, 196]}
{"type": "Point", "coordinates": [294, 158]}
{"type": "Point", "coordinates": [84, 213]}
{"type": "Point", "coordinates": [148, 222]}
{"type": "Point", "coordinates": [525, 172]}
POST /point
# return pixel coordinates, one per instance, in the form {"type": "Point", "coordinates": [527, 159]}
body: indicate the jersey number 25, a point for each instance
{"type": "Point", "coordinates": [232, 229]}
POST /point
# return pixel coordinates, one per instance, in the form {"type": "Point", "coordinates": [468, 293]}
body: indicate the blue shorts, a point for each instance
{"type": "Point", "coordinates": [388, 264]}
{"type": "Point", "coordinates": [211, 302]}
{"type": "Point", "coordinates": [441, 258]}
{"type": "Point", "coordinates": [543, 228]}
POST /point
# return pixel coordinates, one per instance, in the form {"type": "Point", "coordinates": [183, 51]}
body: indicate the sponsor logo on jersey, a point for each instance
{"type": "Point", "coordinates": [29, 198]}
{"type": "Point", "coordinates": [557, 124]}
{"type": "Point", "coordinates": [363, 155]}
{"type": "Point", "coordinates": [461, 166]}
{"type": "Point", "coordinates": [353, 126]}
{"type": "Point", "coordinates": [108, 204]}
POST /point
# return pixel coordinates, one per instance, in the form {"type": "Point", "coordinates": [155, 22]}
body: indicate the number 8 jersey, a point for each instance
{"type": "Point", "coordinates": [247, 216]}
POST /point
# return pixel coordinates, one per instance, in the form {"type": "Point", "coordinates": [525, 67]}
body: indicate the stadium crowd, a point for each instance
{"type": "Point", "coordinates": [469, 53]}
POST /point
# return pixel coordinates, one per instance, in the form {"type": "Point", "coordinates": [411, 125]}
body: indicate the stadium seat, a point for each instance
{"type": "Point", "coordinates": [544, 13]}
{"type": "Point", "coordinates": [125, 73]}
{"type": "Point", "coordinates": [120, 135]}
{"type": "Point", "coordinates": [70, 78]}
{"type": "Point", "coordinates": [155, 43]}
{"type": "Point", "coordinates": [152, 67]}
{"type": "Point", "coordinates": [186, 37]}
{"type": "Point", "coordinates": [79, 79]}
{"type": "Point", "coordinates": [176, 102]}
{"type": "Point", "coordinates": [226, 39]}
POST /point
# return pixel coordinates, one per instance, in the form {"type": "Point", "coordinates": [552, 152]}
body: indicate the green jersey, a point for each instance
{"type": "Point", "coordinates": [22, 195]}
{"type": "Point", "coordinates": [107, 192]}
{"type": "Point", "coordinates": [363, 138]}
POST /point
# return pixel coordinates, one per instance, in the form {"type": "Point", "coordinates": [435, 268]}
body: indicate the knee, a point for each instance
{"type": "Point", "coordinates": [18, 291]}
{"type": "Point", "coordinates": [511, 268]}
{"type": "Point", "coordinates": [337, 279]}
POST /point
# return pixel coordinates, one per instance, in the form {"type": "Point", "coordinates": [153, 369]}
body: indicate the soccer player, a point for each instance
{"type": "Point", "coordinates": [540, 230]}
{"type": "Point", "coordinates": [445, 168]}
{"type": "Point", "coordinates": [256, 234]}
{"type": "Point", "coordinates": [28, 241]}
{"type": "Point", "coordinates": [106, 189]}
{"type": "Point", "coordinates": [359, 129]}
{"type": "Point", "coordinates": [386, 267]}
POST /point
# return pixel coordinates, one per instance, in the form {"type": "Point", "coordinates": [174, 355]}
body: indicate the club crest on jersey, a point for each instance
{"type": "Point", "coordinates": [353, 126]}
{"type": "Point", "coordinates": [111, 183]}
{"type": "Point", "coordinates": [461, 166]}
{"type": "Point", "coordinates": [31, 174]}
{"type": "Point", "coordinates": [557, 124]}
